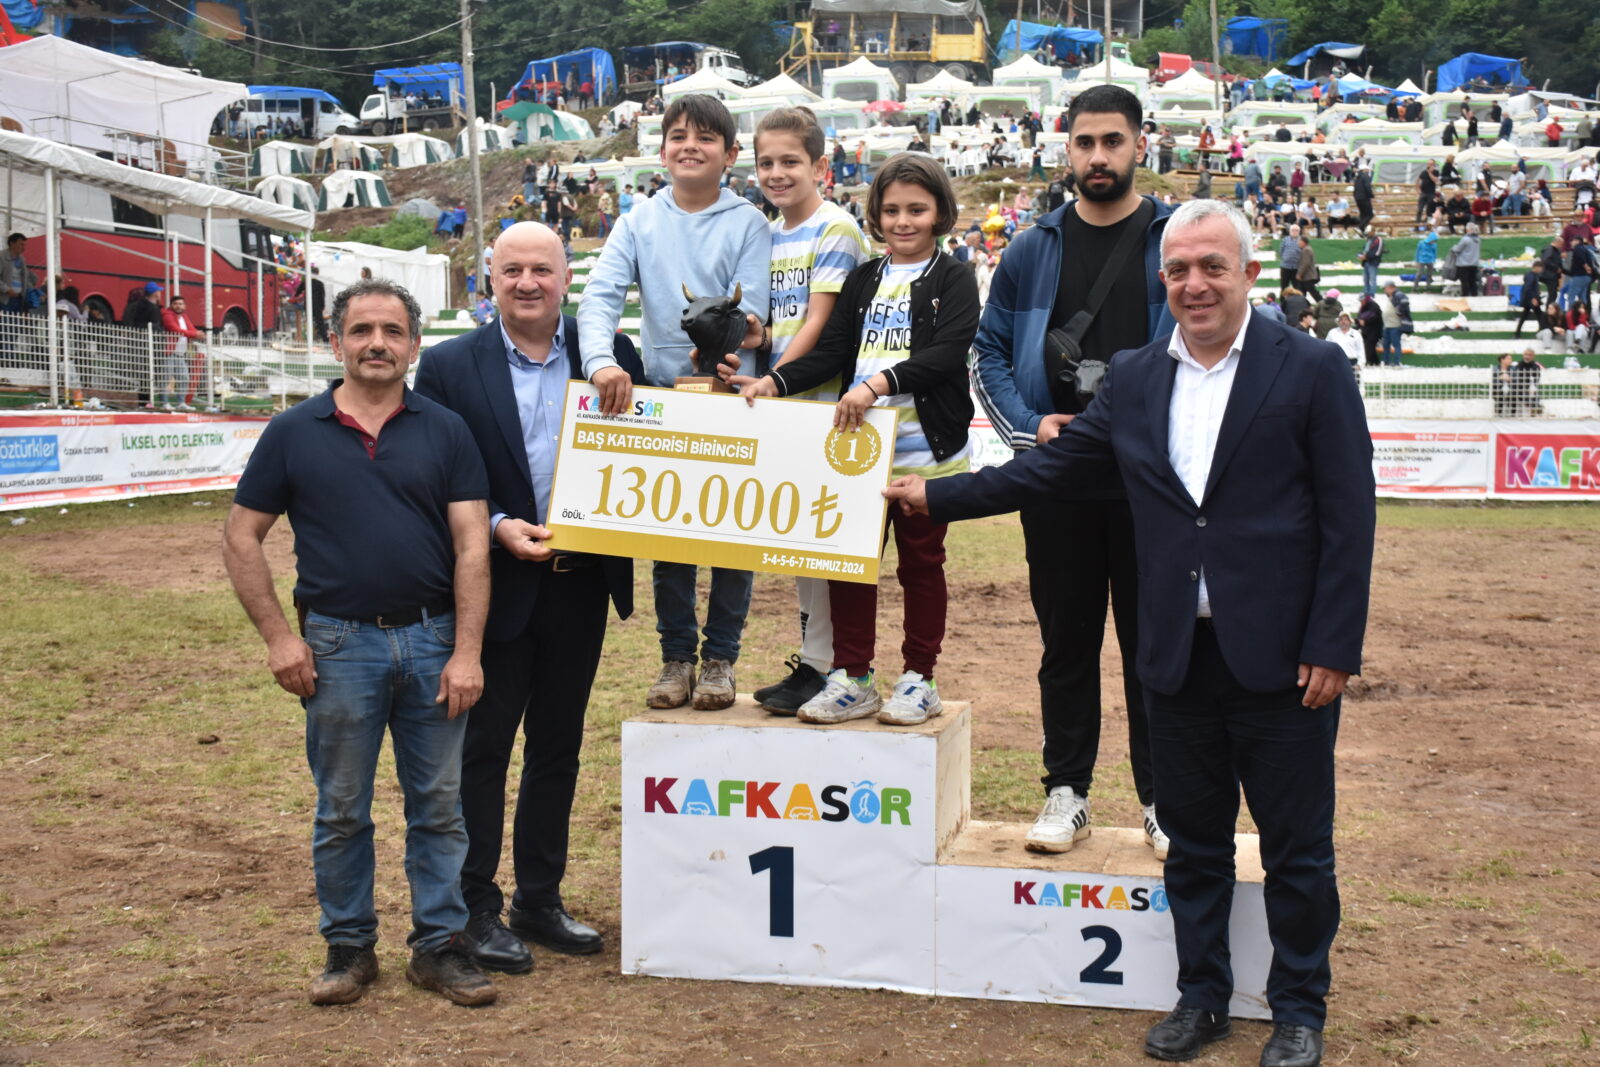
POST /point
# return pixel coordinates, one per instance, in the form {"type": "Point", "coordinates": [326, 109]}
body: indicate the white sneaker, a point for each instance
{"type": "Point", "coordinates": [1063, 822]}
{"type": "Point", "coordinates": [914, 700]}
{"type": "Point", "coordinates": [842, 699]}
{"type": "Point", "coordinates": [1153, 835]}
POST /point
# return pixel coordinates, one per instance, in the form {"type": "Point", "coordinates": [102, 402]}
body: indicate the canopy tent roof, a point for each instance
{"type": "Point", "coordinates": [1341, 49]}
{"type": "Point", "coordinates": [1503, 153]}
{"type": "Point", "coordinates": [941, 84]}
{"type": "Point", "coordinates": [704, 80]}
{"type": "Point", "coordinates": [1121, 71]}
{"type": "Point", "coordinates": [859, 70]}
{"type": "Point", "coordinates": [540, 123]}
{"type": "Point", "coordinates": [1025, 69]}
{"type": "Point", "coordinates": [592, 65]}
{"type": "Point", "coordinates": [82, 96]}
{"type": "Point", "coordinates": [783, 86]}
{"type": "Point", "coordinates": [491, 138]}
{"type": "Point", "coordinates": [29, 157]}
{"type": "Point", "coordinates": [281, 157]}
{"type": "Point", "coordinates": [1408, 88]}
{"type": "Point", "coordinates": [426, 275]}
{"type": "Point", "coordinates": [352, 188]}
{"type": "Point", "coordinates": [1190, 83]}
{"type": "Point", "coordinates": [292, 92]}
{"type": "Point", "coordinates": [1354, 83]}
{"type": "Point", "coordinates": [1469, 65]}
{"type": "Point", "coordinates": [290, 192]}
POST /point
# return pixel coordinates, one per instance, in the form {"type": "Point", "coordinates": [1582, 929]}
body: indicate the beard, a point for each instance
{"type": "Point", "coordinates": [1120, 184]}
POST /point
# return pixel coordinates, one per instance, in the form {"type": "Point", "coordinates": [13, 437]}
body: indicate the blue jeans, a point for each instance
{"type": "Point", "coordinates": [1576, 290]}
{"type": "Point", "coordinates": [675, 615]}
{"type": "Point", "coordinates": [1513, 205]}
{"type": "Point", "coordinates": [1391, 345]}
{"type": "Point", "coordinates": [370, 679]}
{"type": "Point", "coordinates": [1369, 278]}
{"type": "Point", "coordinates": [174, 368]}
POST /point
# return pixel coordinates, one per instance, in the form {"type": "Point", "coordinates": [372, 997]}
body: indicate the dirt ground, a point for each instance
{"type": "Point", "coordinates": [1468, 757]}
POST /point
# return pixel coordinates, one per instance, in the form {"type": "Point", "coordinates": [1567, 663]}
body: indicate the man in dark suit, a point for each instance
{"type": "Point", "coordinates": [1245, 453]}
{"type": "Point", "coordinates": [547, 614]}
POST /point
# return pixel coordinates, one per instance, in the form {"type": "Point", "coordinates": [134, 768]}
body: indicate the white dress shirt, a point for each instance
{"type": "Point", "coordinates": [1199, 397]}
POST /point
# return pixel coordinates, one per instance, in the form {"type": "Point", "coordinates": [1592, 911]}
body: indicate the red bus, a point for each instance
{"type": "Point", "coordinates": [108, 249]}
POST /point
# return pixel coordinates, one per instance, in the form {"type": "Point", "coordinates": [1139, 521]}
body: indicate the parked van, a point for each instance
{"type": "Point", "coordinates": [317, 114]}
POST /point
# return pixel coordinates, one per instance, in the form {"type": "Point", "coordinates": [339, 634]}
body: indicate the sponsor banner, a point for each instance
{"type": "Point", "coordinates": [1559, 465]}
{"type": "Point", "coordinates": [1431, 461]}
{"type": "Point", "coordinates": [705, 478]}
{"type": "Point", "coordinates": [55, 457]}
{"type": "Point", "coordinates": [783, 853]}
{"type": "Point", "coordinates": [1082, 938]}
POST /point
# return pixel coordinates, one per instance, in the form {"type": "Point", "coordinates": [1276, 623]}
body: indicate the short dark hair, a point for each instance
{"type": "Point", "coordinates": [704, 112]}
{"type": "Point", "coordinates": [376, 287]}
{"type": "Point", "coordinates": [14, 238]}
{"type": "Point", "coordinates": [917, 168]}
{"type": "Point", "coordinates": [800, 121]}
{"type": "Point", "coordinates": [1105, 99]}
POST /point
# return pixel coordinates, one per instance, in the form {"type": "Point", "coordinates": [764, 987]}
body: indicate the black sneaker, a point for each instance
{"type": "Point", "coordinates": [450, 971]}
{"type": "Point", "coordinates": [785, 698]}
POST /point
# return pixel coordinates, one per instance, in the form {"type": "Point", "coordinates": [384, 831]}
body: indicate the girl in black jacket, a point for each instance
{"type": "Point", "coordinates": [898, 337]}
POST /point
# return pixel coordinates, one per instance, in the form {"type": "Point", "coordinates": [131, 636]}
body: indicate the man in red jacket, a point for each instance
{"type": "Point", "coordinates": [175, 364]}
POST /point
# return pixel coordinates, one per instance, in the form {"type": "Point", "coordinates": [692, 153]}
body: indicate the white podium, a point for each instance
{"type": "Point", "coordinates": [760, 848]}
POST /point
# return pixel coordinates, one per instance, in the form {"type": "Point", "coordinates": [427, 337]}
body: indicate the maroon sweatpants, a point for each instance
{"type": "Point", "coordinates": [854, 605]}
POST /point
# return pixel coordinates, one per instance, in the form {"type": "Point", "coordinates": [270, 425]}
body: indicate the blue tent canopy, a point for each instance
{"type": "Point", "coordinates": [1296, 84]}
{"type": "Point", "coordinates": [1469, 65]}
{"type": "Point", "coordinates": [291, 92]}
{"type": "Point", "coordinates": [588, 64]}
{"type": "Point", "coordinates": [1249, 36]}
{"type": "Point", "coordinates": [1059, 40]}
{"type": "Point", "coordinates": [442, 78]}
{"type": "Point", "coordinates": [1333, 48]}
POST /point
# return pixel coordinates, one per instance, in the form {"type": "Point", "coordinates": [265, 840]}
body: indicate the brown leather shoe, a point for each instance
{"type": "Point", "coordinates": [348, 972]}
{"type": "Point", "coordinates": [450, 971]}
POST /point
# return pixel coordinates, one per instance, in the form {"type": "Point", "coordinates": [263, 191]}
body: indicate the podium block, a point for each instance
{"type": "Point", "coordinates": [759, 848]}
{"type": "Point", "coordinates": [1090, 926]}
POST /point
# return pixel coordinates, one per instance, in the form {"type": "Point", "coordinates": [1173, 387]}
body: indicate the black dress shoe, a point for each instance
{"type": "Point", "coordinates": [552, 927]}
{"type": "Point", "coordinates": [1292, 1045]}
{"type": "Point", "coordinates": [1184, 1032]}
{"type": "Point", "coordinates": [493, 947]}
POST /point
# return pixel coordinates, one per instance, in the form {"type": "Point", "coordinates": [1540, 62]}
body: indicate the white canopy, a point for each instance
{"type": "Point", "coordinates": [1120, 71]}
{"type": "Point", "coordinates": [625, 111]}
{"type": "Point", "coordinates": [425, 274]}
{"type": "Point", "coordinates": [1026, 69]}
{"type": "Point", "coordinates": [941, 84]}
{"type": "Point", "coordinates": [352, 188]}
{"type": "Point", "coordinates": [783, 86]}
{"type": "Point", "coordinates": [1190, 81]}
{"type": "Point", "coordinates": [290, 192]}
{"type": "Point", "coordinates": [68, 92]}
{"type": "Point", "coordinates": [1408, 86]}
{"type": "Point", "coordinates": [860, 79]}
{"type": "Point", "coordinates": [398, 149]}
{"type": "Point", "coordinates": [704, 80]}
{"type": "Point", "coordinates": [27, 158]}
{"type": "Point", "coordinates": [281, 157]}
{"type": "Point", "coordinates": [491, 138]}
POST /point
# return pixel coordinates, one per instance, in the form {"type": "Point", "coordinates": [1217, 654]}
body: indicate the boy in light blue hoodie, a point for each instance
{"type": "Point", "coordinates": [693, 233]}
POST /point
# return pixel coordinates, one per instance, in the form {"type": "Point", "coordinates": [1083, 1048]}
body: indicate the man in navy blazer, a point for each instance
{"type": "Point", "coordinates": [547, 612]}
{"type": "Point", "coordinates": [1244, 449]}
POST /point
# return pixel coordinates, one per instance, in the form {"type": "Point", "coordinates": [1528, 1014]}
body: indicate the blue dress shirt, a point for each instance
{"type": "Point", "coordinates": [540, 390]}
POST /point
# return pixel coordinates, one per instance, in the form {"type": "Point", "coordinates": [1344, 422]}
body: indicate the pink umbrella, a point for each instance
{"type": "Point", "coordinates": [885, 106]}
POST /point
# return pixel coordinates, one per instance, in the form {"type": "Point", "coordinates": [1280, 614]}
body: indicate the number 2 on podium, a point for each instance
{"type": "Point", "coordinates": [779, 859]}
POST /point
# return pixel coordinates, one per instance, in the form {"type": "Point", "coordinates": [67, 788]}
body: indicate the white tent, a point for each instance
{"type": "Point", "coordinates": [624, 111]}
{"type": "Point", "coordinates": [704, 80]}
{"type": "Point", "coordinates": [1029, 73]}
{"type": "Point", "coordinates": [290, 192]}
{"type": "Point", "coordinates": [1543, 161]}
{"type": "Point", "coordinates": [491, 138]}
{"type": "Point", "coordinates": [1121, 72]}
{"type": "Point", "coordinates": [1408, 86]}
{"type": "Point", "coordinates": [941, 84]}
{"type": "Point", "coordinates": [281, 157]}
{"type": "Point", "coordinates": [425, 274]}
{"type": "Point", "coordinates": [1376, 131]}
{"type": "Point", "coordinates": [785, 87]}
{"type": "Point", "coordinates": [415, 149]}
{"type": "Point", "coordinates": [68, 92]}
{"type": "Point", "coordinates": [352, 188]}
{"type": "Point", "coordinates": [1190, 87]}
{"type": "Point", "coordinates": [860, 79]}
{"type": "Point", "coordinates": [1190, 81]}
{"type": "Point", "coordinates": [341, 152]}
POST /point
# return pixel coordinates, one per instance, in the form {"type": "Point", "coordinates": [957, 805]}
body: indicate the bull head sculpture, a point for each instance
{"type": "Point", "coordinates": [715, 325]}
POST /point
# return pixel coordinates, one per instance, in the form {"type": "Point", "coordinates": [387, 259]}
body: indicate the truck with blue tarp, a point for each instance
{"type": "Point", "coordinates": [567, 74]}
{"type": "Point", "coordinates": [429, 97]}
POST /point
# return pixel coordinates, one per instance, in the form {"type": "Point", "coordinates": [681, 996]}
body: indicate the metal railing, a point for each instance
{"type": "Point", "coordinates": [1473, 393]}
{"type": "Point", "coordinates": [95, 363]}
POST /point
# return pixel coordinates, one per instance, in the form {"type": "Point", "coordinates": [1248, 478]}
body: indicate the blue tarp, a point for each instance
{"type": "Point", "coordinates": [1060, 41]}
{"type": "Point", "coordinates": [1297, 84]}
{"type": "Point", "coordinates": [441, 78]}
{"type": "Point", "coordinates": [292, 92]}
{"type": "Point", "coordinates": [1337, 48]}
{"type": "Point", "coordinates": [24, 14]}
{"type": "Point", "coordinates": [590, 64]}
{"type": "Point", "coordinates": [1245, 35]}
{"type": "Point", "coordinates": [1469, 65]}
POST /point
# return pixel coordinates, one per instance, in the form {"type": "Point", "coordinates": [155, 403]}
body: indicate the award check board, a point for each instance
{"type": "Point", "coordinates": [706, 478]}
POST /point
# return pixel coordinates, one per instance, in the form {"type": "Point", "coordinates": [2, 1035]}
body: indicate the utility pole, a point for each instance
{"type": "Point", "coordinates": [1216, 60]}
{"type": "Point", "coordinates": [1107, 45]}
{"type": "Point", "coordinates": [472, 147]}
{"type": "Point", "coordinates": [1019, 28]}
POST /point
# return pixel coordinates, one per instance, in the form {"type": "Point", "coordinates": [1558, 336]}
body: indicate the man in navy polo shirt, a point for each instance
{"type": "Point", "coordinates": [386, 493]}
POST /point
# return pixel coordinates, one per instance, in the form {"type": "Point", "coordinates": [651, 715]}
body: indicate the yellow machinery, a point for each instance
{"type": "Point", "coordinates": [913, 38]}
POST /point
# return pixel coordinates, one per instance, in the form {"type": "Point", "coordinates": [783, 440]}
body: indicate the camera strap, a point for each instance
{"type": "Point", "coordinates": [1138, 223]}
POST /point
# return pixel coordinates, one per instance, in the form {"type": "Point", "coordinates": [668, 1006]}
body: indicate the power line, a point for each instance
{"type": "Point", "coordinates": [311, 47]}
